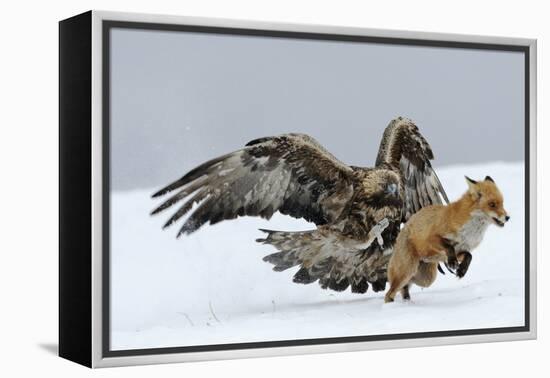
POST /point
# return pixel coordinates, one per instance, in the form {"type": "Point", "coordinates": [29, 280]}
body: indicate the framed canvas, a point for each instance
{"type": "Point", "coordinates": [233, 189]}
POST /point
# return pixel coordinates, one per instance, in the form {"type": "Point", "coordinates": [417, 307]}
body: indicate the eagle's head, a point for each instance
{"type": "Point", "coordinates": [383, 188]}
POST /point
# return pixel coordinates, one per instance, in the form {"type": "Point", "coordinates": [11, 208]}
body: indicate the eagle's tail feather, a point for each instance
{"type": "Point", "coordinates": [291, 246]}
{"type": "Point", "coordinates": [321, 258]}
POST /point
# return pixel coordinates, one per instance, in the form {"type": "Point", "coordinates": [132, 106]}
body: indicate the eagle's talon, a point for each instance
{"type": "Point", "coordinates": [378, 229]}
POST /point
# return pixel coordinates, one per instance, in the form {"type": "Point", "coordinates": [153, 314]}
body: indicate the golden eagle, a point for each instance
{"type": "Point", "coordinates": [358, 211]}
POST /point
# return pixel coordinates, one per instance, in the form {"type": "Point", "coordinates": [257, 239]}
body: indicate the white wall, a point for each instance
{"type": "Point", "coordinates": [28, 155]}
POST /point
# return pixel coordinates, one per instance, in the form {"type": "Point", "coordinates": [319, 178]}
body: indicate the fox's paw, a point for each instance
{"type": "Point", "coordinates": [461, 271]}
{"type": "Point", "coordinates": [452, 262]}
{"type": "Point", "coordinates": [466, 258]}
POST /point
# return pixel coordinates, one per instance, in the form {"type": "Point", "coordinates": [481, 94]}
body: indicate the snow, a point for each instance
{"type": "Point", "coordinates": [212, 287]}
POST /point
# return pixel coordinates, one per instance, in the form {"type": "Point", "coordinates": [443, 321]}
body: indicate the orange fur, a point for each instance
{"type": "Point", "coordinates": [424, 240]}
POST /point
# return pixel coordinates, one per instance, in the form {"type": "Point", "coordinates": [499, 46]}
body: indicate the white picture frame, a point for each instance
{"type": "Point", "coordinates": [83, 202]}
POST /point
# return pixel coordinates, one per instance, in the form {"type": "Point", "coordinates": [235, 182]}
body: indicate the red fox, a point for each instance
{"type": "Point", "coordinates": [448, 234]}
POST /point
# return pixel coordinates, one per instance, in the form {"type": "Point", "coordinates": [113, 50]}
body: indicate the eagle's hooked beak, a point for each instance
{"type": "Point", "coordinates": [392, 189]}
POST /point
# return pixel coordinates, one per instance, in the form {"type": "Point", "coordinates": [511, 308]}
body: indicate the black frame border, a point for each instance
{"type": "Point", "coordinates": [108, 25]}
{"type": "Point", "coordinates": [75, 189]}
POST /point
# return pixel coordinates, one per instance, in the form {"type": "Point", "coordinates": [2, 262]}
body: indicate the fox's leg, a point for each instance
{"type": "Point", "coordinates": [397, 285]}
{"type": "Point", "coordinates": [465, 259]}
{"type": "Point", "coordinates": [405, 292]}
{"type": "Point", "coordinates": [399, 278]}
{"type": "Point", "coordinates": [392, 292]}
{"type": "Point", "coordinates": [402, 266]}
{"type": "Point", "coordinates": [449, 246]}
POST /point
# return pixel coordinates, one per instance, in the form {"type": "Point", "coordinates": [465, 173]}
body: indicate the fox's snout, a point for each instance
{"type": "Point", "coordinates": [500, 221]}
{"type": "Point", "coordinates": [499, 215]}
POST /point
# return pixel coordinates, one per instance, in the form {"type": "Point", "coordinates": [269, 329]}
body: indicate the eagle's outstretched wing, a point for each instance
{"type": "Point", "coordinates": [404, 148]}
{"type": "Point", "coordinates": [291, 173]}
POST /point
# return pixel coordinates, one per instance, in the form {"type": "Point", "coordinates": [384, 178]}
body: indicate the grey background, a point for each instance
{"type": "Point", "coordinates": [179, 98]}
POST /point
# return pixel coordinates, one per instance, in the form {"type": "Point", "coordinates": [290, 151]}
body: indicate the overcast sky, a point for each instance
{"type": "Point", "coordinates": [179, 98]}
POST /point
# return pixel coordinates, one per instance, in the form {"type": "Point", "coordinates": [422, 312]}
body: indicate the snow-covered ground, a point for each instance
{"type": "Point", "coordinates": [212, 287]}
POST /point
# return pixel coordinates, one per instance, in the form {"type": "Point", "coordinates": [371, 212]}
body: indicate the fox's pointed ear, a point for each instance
{"type": "Point", "coordinates": [472, 188]}
{"type": "Point", "coordinates": [470, 181]}
{"type": "Point", "coordinates": [489, 178]}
